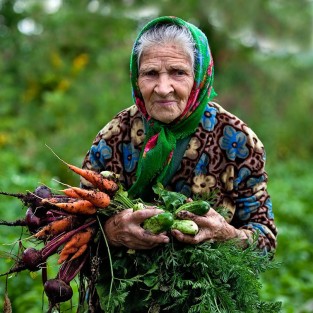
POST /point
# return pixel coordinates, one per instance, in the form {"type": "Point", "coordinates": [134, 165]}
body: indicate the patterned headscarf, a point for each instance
{"type": "Point", "coordinates": [156, 157]}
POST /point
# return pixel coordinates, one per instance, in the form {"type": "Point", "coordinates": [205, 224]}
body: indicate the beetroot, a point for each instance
{"type": "Point", "coordinates": [43, 192]}
{"type": "Point", "coordinates": [33, 222]}
{"type": "Point", "coordinates": [41, 212]}
{"type": "Point", "coordinates": [57, 290]}
{"type": "Point", "coordinates": [32, 258]}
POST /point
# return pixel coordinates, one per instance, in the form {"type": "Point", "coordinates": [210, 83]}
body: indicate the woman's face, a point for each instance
{"type": "Point", "coordinates": [165, 81]}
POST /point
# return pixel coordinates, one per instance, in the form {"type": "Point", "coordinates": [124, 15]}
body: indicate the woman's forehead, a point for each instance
{"type": "Point", "coordinates": [170, 53]}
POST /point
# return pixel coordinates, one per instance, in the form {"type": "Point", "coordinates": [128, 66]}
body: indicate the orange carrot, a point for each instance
{"type": "Point", "coordinates": [77, 207]}
{"type": "Point", "coordinates": [97, 198]}
{"type": "Point", "coordinates": [93, 177]}
{"type": "Point", "coordinates": [54, 200]}
{"type": "Point", "coordinates": [79, 252]}
{"type": "Point", "coordinates": [70, 193]}
{"type": "Point", "coordinates": [75, 244]}
{"type": "Point", "coordinates": [57, 227]}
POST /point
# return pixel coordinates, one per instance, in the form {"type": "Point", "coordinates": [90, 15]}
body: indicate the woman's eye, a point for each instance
{"type": "Point", "coordinates": [150, 74]}
{"type": "Point", "coordinates": [178, 72]}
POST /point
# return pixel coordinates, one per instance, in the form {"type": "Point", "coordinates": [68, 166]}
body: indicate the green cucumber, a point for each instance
{"type": "Point", "coordinates": [159, 223]}
{"type": "Point", "coordinates": [138, 206]}
{"type": "Point", "coordinates": [187, 227]}
{"type": "Point", "coordinates": [198, 207]}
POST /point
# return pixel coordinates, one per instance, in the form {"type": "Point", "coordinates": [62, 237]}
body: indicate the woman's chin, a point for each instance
{"type": "Point", "coordinates": [164, 119]}
{"type": "Point", "coordinates": [164, 116]}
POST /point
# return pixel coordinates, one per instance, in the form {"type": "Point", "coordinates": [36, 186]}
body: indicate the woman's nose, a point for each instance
{"type": "Point", "coordinates": [163, 85]}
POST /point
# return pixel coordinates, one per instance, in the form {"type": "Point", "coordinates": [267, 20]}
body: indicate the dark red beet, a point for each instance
{"type": "Point", "coordinates": [36, 218]}
{"type": "Point", "coordinates": [32, 221]}
{"type": "Point", "coordinates": [43, 192]}
{"type": "Point", "coordinates": [57, 290]}
{"type": "Point", "coordinates": [32, 258]}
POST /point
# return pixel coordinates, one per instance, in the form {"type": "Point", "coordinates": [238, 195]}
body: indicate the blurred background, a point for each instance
{"type": "Point", "coordinates": [64, 73]}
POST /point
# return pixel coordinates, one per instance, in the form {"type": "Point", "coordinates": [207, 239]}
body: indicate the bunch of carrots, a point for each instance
{"type": "Point", "coordinates": [66, 223]}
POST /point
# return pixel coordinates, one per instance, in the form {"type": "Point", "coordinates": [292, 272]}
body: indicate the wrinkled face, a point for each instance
{"type": "Point", "coordinates": [165, 81]}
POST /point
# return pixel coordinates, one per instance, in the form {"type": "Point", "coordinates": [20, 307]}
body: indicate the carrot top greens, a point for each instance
{"type": "Point", "coordinates": [186, 278]}
{"type": "Point", "coordinates": [208, 277]}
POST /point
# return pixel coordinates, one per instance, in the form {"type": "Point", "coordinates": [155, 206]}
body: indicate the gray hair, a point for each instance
{"type": "Point", "coordinates": [164, 34]}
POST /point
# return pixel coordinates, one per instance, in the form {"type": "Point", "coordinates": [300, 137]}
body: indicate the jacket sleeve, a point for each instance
{"type": "Point", "coordinates": [103, 153]}
{"type": "Point", "coordinates": [116, 147]}
{"type": "Point", "coordinates": [253, 202]}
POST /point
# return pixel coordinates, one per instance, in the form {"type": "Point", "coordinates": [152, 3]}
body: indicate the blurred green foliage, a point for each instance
{"type": "Point", "coordinates": [65, 72]}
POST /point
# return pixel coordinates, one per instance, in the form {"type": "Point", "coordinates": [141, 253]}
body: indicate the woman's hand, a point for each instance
{"type": "Point", "coordinates": [212, 227]}
{"type": "Point", "coordinates": [123, 229]}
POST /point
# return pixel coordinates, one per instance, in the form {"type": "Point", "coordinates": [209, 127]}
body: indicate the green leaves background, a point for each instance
{"type": "Point", "coordinates": [64, 69]}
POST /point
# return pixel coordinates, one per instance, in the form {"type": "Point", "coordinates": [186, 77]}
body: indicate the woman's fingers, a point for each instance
{"type": "Point", "coordinates": [212, 227]}
{"type": "Point", "coordinates": [201, 221]}
{"type": "Point", "coordinates": [140, 216]}
{"type": "Point", "coordinates": [146, 240]}
{"type": "Point", "coordinates": [123, 229]}
{"type": "Point", "coordinates": [189, 239]}
{"type": "Point", "coordinates": [137, 217]}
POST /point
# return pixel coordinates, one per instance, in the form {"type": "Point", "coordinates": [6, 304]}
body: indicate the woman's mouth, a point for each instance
{"type": "Point", "coordinates": [165, 102]}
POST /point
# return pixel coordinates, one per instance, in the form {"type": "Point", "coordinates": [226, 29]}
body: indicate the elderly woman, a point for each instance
{"type": "Point", "coordinates": [175, 134]}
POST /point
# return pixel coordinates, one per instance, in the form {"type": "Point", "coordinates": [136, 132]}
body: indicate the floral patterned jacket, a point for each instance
{"type": "Point", "coordinates": [223, 155]}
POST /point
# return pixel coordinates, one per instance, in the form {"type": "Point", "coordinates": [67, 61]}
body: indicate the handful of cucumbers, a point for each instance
{"type": "Point", "coordinates": [166, 220]}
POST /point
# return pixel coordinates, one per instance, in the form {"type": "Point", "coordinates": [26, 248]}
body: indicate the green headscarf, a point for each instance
{"type": "Point", "coordinates": [155, 161]}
